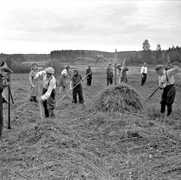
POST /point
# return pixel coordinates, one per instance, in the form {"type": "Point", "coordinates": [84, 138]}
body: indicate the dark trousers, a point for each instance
{"type": "Point", "coordinates": [89, 81]}
{"type": "Point", "coordinates": [49, 104]}
{"type": "Point", "coordinates": [77, 91]}
{"type": "Point", "coordinates": [143, 78]}
{"type": "Point", "coordinates": [167, 99]}
{"type": "Point", "coordinates": [109, 81]}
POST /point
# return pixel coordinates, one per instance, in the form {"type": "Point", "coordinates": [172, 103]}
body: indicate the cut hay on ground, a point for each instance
{"type": "Point", "coordinates": [121, 98]}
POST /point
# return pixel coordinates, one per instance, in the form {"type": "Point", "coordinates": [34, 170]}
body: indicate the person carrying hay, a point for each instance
{"type": "Point", "coordinates": [167, 84]}
{"type": "Point", "coordinates": [48, 92]}
{"type": "Point", "coordinates": [109, 73]}
{"type": "Point", "coordinates": [143, 71]}
{"type": "Point", "coordinates": [33, 83]}
{"type": "Point", "coordinates": [89, 76]}
{"type": "Point", "coordinates": [76, 87]}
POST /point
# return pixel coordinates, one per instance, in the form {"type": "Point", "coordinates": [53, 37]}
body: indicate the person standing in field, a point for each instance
{"type": "Point", "coordinates": [143, 71]}
{"type": "Point", "coordinates": [89, 76]}
{"type": "Point", "coordinates": [109, 72]}
{"type": "Point", "coordinates": [123, 72]}
{"type": "Point", "coordinates": [65, 81]}
{"type": "Point", "coordinates": [4, 83]}
{"type": "Point", "coordinates": [167, 84]}
{"type": "Point", "coordinates": [119, 68]}
{"type": "Point", "coordinates": [33, 83]}
{"type": "Point", "coordinates": [124, 77]}
{"type": "Point", "coordinates": [76, 87]}
{"type": "Point", "coordinates": [48, 93]}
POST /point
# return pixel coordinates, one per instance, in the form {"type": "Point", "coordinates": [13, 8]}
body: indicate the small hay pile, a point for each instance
{"type": "Point", "coordinates": [121, 98]}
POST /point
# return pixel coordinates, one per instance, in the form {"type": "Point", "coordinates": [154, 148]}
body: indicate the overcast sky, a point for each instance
{"type": "Point", "coordinates": [39, 26]}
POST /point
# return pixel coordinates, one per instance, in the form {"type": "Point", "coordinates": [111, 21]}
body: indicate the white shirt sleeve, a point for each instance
{"type": "Point", "coordinates": [64, 72]}
{"type": "Point", "coordinates": [52, 85]}
{"type": "Point", "coordinates": [38, 74]}
{"type": "Point", "coordinates": [141, 71]}
{"type": "Point", "coordinates": [146, 70]}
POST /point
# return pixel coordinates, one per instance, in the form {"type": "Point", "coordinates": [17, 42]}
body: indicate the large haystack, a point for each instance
{"type": "Point", "coordinates": [121, 98]}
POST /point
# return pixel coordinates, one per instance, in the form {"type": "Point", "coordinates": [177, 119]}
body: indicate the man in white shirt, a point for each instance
{"type": "Point", "coordinates": [144, 71]}
{"type": "Point", "coordinates": [167, 83]}
{"type": "Point", "coordinates": [48, 92]}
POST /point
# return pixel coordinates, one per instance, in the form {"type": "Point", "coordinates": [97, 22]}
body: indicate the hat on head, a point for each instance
{"type": "Point", "coordinates": [67, 67]}
{"type": "Point", "coordinates": [50, 70]}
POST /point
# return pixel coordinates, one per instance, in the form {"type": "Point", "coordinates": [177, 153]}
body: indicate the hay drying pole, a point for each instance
{"type": "Point", "coordinates": [115, 64]}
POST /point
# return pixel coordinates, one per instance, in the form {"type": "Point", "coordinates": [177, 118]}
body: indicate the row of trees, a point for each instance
{"type": "Point", "coordinates": [157, 56]}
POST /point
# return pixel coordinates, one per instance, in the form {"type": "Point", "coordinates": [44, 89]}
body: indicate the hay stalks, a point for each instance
{"type": "Point", "coordinates": [121, 98]}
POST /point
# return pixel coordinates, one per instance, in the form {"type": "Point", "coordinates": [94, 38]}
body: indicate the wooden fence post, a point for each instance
{"type": "Point", "coordinates": [9, 103]}
{"type": "Point", "coordinates": [115, 66]}
{"type": "Point", "coordinates": [1, 105]}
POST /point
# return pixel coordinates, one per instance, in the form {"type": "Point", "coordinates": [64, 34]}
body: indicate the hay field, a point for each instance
{"type": "Point", "coordinates": [81, 144]}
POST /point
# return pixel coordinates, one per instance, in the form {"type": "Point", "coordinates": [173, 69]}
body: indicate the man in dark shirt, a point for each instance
{"type": "Point", "coordinates": [89, 76]}
{"type": "Point", "coordinates": [77, 87]}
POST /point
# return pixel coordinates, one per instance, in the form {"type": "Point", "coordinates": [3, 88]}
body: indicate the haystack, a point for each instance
{"type": "Point", "coordinates": [121, 98]}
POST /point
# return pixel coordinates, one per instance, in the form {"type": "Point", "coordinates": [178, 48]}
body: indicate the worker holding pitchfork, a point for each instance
{"type": "Point", "coordinates": [76, 87]}
{"type": "Point", "coordinates": [48, 93]}
{"type": "Point", "coordinates": [167, 83]}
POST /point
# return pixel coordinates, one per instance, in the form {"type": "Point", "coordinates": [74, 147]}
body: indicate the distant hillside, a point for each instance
{"type": "Point", "coordinates": [22, 62]}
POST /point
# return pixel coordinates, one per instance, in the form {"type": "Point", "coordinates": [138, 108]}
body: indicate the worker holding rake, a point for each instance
{"type": "Point", "coordinates": [167, 84]}
{"type": "Point", "coordinates": [48, 93]}
{"type": "Point", "coordinates": [76, 87]}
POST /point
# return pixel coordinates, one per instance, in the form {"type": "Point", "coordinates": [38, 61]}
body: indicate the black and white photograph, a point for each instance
{"type": "Point", "coordinates": [90, 90]}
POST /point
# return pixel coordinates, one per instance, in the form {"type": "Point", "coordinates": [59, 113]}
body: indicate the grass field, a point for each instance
{"type": "Point", "coordinates": [81, 144]}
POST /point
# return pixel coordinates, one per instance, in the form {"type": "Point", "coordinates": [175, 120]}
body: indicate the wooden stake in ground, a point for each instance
{"type": "Point", "coordinates": [115, 66]}
{"type": "Point", "coordinates": [39, 101]}
{"type": "Point", "coordinates": [9, 105]}
{"type": "Point", "coordinates": [1, 106]}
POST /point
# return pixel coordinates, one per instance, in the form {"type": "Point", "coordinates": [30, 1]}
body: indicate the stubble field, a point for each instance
{"type": "Point", "coordinates": [81, 144]}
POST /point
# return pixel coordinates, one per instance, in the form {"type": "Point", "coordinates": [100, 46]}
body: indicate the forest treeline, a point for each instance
{"type": "Point", "coordinates": [20, 63]}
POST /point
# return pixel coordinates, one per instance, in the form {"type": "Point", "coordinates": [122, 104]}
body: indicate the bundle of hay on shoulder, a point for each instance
{"type": "Point", "coordinates": [121, 98]}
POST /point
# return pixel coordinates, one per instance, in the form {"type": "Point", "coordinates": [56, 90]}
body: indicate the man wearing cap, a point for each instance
{"type": "Point", "coordinates": [48, 92]}
{"type": "Point", "coordinates": [167, 83]}
{"type": "Point", "coordinates": [33, 83]}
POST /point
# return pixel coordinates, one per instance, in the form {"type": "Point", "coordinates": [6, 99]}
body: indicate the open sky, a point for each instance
{"type": "Point", "coordinates": [39, 26]}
